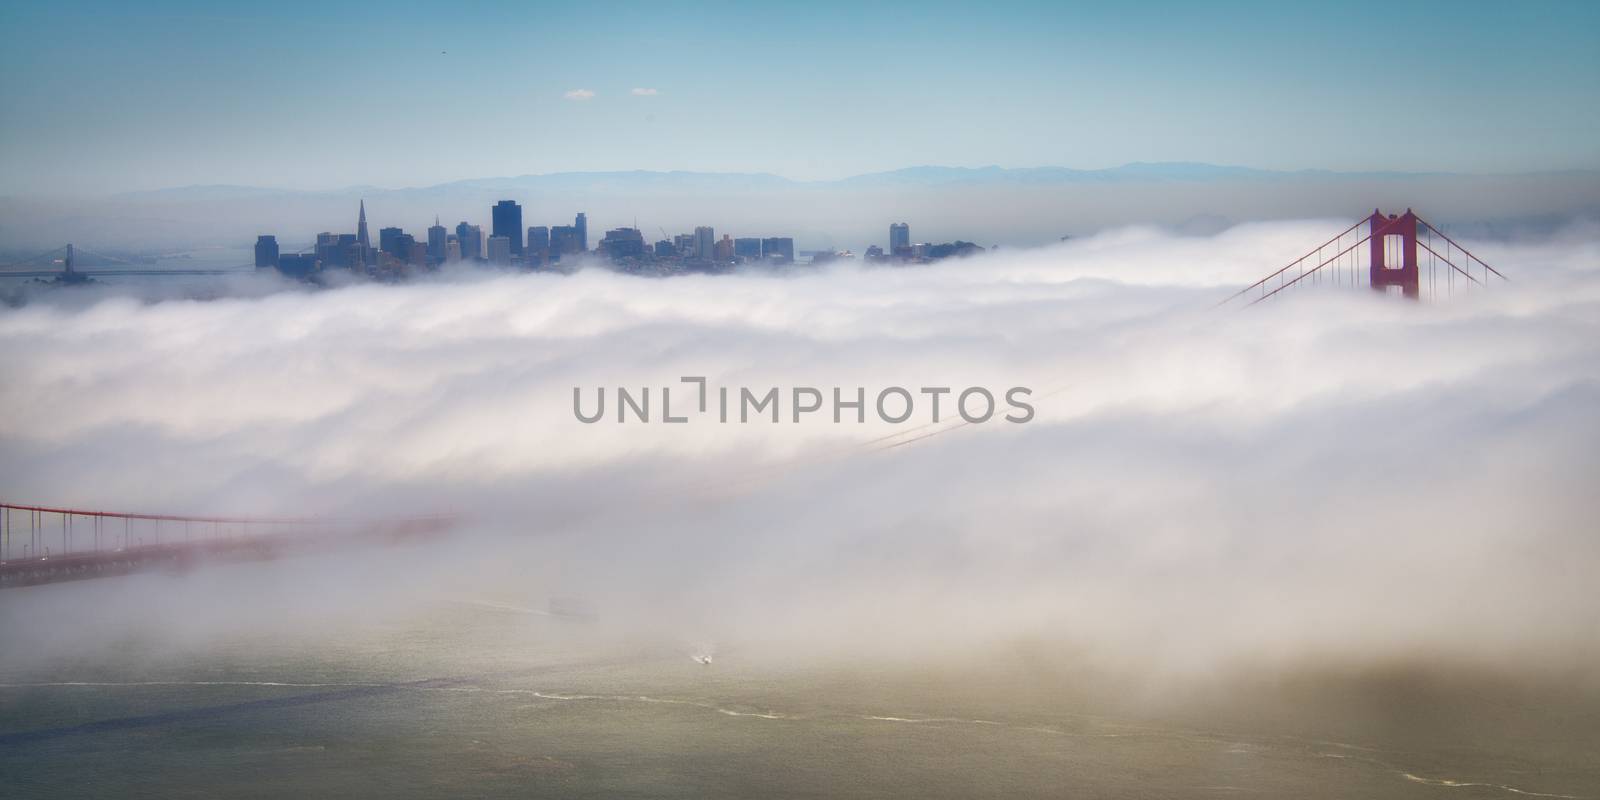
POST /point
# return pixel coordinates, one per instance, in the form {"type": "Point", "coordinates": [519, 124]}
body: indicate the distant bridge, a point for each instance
{"type": "Point", "coordinates": [42, 544]}
{"type": "Point", "coordinates": [113, 273]}
{"type": "Point", "coordinates": [64, 264]}
{"type": "Point", "coordinates": [1390, 261]}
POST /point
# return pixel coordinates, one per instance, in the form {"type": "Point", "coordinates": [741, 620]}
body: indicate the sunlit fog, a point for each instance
{"type": "Point", "coordinates": [1334, 476]}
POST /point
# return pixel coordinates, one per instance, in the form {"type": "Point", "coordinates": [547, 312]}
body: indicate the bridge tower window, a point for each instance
{"type": "Point", "coordinates": [1394, 253]}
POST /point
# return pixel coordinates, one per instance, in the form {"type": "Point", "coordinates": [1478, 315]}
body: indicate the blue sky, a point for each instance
{"type": "Point", "coordinates": [102, 96]}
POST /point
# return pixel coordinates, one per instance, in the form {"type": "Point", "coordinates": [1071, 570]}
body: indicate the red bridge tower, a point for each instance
{"type": "Point", "coordinates": [1393, 261]}
{"type": "Point", "coordinates": [1393, 242]}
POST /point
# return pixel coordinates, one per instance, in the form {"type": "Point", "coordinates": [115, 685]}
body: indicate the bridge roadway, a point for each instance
{"type": "Point", "coordinates": [119, 273]}
{"type": "Point", "coordinates": [51, 557]}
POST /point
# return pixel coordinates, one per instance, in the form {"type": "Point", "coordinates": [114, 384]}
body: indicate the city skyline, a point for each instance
{"type": "Point", "coordinates": [536, 247]}
{"type": "Point", "coordinates": [1023, 207]}
{"type": "Point", "coordinates": [811, 93]}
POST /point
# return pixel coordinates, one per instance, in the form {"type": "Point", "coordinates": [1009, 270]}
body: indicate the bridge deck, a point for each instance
{"type": "Point", "coordinates": [101, 556]}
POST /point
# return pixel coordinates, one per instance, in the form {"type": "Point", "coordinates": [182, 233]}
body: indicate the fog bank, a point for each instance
{"type": "Point", "coordinates": [1332, 477]}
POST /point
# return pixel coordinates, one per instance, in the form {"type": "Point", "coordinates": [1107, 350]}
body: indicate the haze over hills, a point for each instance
{"type": "Point", "coordinates": [923, 175]}
{"type": "Point", "coordinates": [988, 205]}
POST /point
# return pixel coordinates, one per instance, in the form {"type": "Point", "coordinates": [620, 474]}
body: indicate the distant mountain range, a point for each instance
{"type": "Point", "coordinates": [646, 181]}
{"type": "Point", "coordinates": [987, 205]}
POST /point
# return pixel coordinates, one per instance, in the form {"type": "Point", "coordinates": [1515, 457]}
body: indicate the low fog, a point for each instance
{"type": "Point", "coordinates": [1333, 476]}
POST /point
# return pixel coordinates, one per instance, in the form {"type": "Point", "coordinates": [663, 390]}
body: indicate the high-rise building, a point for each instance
{"type": "Point", "coordinates": [564, 242]}
{"type": "Point", "coordinates": [500, 250]}
{"type": "Point", "coordinates": [705, 243]}
{"type": "Point", "coordinates": [266, 251]}
{"type": "Point", "coordinates": [361, 235]}
{"type": "Point", "coordinates": [623, 243]}
{"type": "Point", "coordinates": [297, 265]}
{"type": "Point", "coordinates": [418, 252]}
{"type": "Point", "coordinates": [665, 249]}
{"type": "Point", "coordinates": [747, 248]}
{"type": "Point", "coordinates": [389, 242]}
{"type": "Point", "coordinates": [724, 249]}
{"type": "Point", "coordinates": [507, 217]}
{"type": "Point", "coordinates": [342, 252]}
{"type": "Point", "coordinates": [329, 252]}
{"type": "Point", "coordinates": [778, 248]}
{"type": "Point", "coordinates": [471, 239]}
{"type": "Point", "coordinates": [452, 250]}
{"type": "Point", "coordinates": [538, 249]}
{"type": "Point", "coordinates": [899, 237]}
{"type": "Point", "coordinates": [582, 227]}
{"type": "Point", "coordinates": [438, 237]}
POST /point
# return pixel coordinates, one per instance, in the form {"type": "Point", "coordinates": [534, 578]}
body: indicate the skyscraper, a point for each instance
{"type": "Point", "coordinates": [330, 253]}
{"type": "Point", "coordinates": [581, 225]}
{"type": "Point", "coordinates": [500, 250]}
{"type": "Point", "coordinates": [471, 239]}
{"type": "Point", "coordinates": [266, 251]}
{"type": "Point", "coordinates": [705, 242]}
{"type": "Point", "coordinates": [622, 243]}
{"type": "Point", "coordinates": [389, 242]}
{"type": "Point", "coordinates": [297, 265]}
{"type": "Point", "coordinates": [778, 248]}
{"type": "Point", "coordinates": [747, 248]}
{"type": "Point", "coordinates": [399, 245]}
{"type": "Point", "coordinates": [350, 255]}
{"type": "Point", "coordinates": [899, 237]}
{"type": "Point", "coordinates": [563, 242]}
{"type": "Point", "coordinates": [361, 235]}
{"type": "Point", "coordinates": [538, 249]}
{"type": "Point", "coordinates": [507, 217]}
{"type": "Point", "coordinates": [437, 237]}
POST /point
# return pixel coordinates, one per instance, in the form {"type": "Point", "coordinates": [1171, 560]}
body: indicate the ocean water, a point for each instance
{"type": "Point", "coordinates": [474, 697]}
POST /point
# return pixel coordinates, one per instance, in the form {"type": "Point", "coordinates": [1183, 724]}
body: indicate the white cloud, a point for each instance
{"type": "Point", "coordinates": [646, 92]}
{"type": "Point", "coordinates": [579, 94]}
{"type": "Point", "coordinates": [1328, 475]}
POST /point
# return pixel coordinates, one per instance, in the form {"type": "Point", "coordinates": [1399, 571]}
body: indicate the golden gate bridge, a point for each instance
{"type": "Point", "coordinates": [1391, 261]}
{"type": "Point", "coordinates": [43, 544]}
